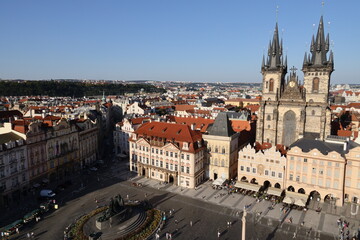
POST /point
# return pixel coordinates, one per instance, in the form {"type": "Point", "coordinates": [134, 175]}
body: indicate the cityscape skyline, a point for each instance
{"type": "Point", "coordinates": [168, 41]}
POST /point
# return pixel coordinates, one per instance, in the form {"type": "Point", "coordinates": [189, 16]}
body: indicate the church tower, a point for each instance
{"type": "Point", "coordinates": [317, 68]}
{"type": "Point", "coordinates": [274, 69]}
{"type": "Point", "coordinates": [288, 110]}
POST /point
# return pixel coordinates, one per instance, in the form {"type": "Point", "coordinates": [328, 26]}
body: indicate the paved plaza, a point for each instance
{"type": "Point", "coordinates": [209, 210]}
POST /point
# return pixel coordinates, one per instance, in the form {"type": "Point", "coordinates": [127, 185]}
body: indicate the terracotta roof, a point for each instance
{"type": "Point", "coordinates": [177, 132]}
{"type": "Point", "coordinates": [184, 107]}
{"type": "Point", "coordinates": [354, 105]}
{"type": "Point", "coordinates": [253, 108]}
{"type": "Point", "coordinates": [200, 123]}
{"type": "Point", "coordinates": [240, 125]}
{"type": "Point", "coordinates": [135, 121]}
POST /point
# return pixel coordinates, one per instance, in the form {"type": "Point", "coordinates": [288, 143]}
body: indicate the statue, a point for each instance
{"type": "Point", "coordinates": [116, 206]}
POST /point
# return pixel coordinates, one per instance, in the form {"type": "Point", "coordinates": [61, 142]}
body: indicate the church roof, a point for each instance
{"type": "Point", "coordinates": [222, 126]}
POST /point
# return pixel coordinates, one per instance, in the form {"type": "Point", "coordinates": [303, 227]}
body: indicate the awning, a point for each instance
{"type": "Point", "coordinates": [248, 186]}
{"type": "Point", "coordinates": [274, 191]}
{"type": "Point", "coordinates": [219, 181]}
{"type": "Point", "coordinates": [296, 198]}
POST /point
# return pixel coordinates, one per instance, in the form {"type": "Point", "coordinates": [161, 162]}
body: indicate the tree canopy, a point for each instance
{"type": "Point", "coordinates": [68, 88]}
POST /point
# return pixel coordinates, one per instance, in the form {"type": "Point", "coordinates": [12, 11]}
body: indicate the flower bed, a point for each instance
{"type": "Point", "coordinates": [77, 229]}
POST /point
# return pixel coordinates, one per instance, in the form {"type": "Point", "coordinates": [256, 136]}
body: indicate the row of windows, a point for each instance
{"type": "Point", "coordinates": [161, 152]}
{"type": "Point", "coordinates": [157, 163]}
{"type": "Point", "coordinates": [314, 161]}
{"type": "Point", "coordinates": [267, 172]}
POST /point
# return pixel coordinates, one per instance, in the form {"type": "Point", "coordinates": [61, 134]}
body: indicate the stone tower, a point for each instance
{"type": "Point", "coordinates": [288, 110]}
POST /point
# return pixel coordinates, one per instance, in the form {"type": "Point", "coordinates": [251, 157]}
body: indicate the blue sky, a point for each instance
{"type": "Point", "coordinates": [178, 40]}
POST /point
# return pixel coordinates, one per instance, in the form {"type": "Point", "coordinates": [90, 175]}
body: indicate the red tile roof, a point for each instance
{"type": "Point", "coordinates": [240, 125]}
{"type": "Point", "coordinates": [177, 132]}
{"type": "Point", "coordinates": [184, 107]}
{"type": "Point", "coordinates": [200, 123]}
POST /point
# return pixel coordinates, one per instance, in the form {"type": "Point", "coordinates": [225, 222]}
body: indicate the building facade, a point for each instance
{"type": "Point", "coordinates": [288, 110]}
{"type": "Point", "coordinates": [223, 146]}
{"type": "Point", "coordinates": [263, 167]}
{"type": "Point", "coordinates": [168, 152]}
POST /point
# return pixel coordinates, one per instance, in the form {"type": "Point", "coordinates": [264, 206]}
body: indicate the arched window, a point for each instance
{"type": "Point", "coordinates": [313, 112]}
{"type": "Point", "coordinates": [268, 118]}
{"type": "Point", "coordinates": [316, 84]}
{"type": "Point", "coordinates": [222, 163]}
{"type": "Point", "coordinates": [271, 88]}
{"type": "Point", "coordinates": [223, 150]}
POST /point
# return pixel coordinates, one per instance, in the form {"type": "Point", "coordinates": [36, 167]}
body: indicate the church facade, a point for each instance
{"type": "Point", "coordinates": [290, 110]}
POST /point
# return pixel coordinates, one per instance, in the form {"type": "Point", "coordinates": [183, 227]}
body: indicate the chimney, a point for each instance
{"type": "Point", "coordinates": [193, 126]}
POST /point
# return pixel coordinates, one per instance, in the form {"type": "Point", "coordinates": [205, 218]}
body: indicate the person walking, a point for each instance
{"type": "Point", "coordinates": [176, 222]}
{"type": "Point", "coordinates": [191, 223]}
{"type": "Point", "coordinates": [219, 233]}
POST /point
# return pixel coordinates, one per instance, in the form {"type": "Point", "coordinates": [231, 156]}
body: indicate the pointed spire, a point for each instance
{"type": "Point", "coordinates": [331, 58]}
{"type": "Point", "coordinates": [275, 50]}
{"type": "Point", "coordinates": [305, 59]}
{"type": "Point", "coordinates": [263, 63]}
{"type": "Point", "coordinates": [327, 42]}
{"type": "Point", "coordinates": [285, 64]}
{"type": "Point", "coordinates": [312, 46]}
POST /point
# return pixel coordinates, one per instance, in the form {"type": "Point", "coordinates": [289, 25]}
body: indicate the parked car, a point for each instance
{"type": "Point", "coordinates": [47, 193]}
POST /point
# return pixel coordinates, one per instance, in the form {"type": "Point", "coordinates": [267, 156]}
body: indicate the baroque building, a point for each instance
{"type": "Point", "coordinates": [169, 152]}
{"type": "Point", "coordinates": [289, 110]}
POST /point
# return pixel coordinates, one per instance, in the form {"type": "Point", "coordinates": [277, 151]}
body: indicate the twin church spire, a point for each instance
{"type": "Point", "coordinates": [317, 57]}
{"type": "Point", "coordinates": [319, 48]}
{"type": "Point", "coordinates": [275, 58]}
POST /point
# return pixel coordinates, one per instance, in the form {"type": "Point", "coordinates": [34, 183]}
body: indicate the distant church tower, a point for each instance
{"type": "Point", "coordinates": [288, 110]}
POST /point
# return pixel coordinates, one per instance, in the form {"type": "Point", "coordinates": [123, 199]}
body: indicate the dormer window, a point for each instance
{"type": "Point", "coordinates": [185, 146]}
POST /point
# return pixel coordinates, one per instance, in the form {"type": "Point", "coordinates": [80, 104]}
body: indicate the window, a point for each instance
{"type": "Point", "coordinates": [176, 155]}
{"type": "Point", "coordinates": [321, 171]}
{"type": "Point", "coordinates": [161, 152]}
{"type": "Point", "coordinates": [336, 184]}
{"type": "Point", "coordinates": [187, 170]}
{"type": "Point", "coordinates": [171, 154]}
{"type": "Point", "coordinates": [304, 179]}
{"type": "Point", "coordinates": [291, 158]}
{"type": "Point", "coordinates": [247, 169]}
{"type": "Point", "coordinates": [157, 151]}
{"type": "Point", "coordinates": [167, 153]}
{"type": "Point", "coordinates": [313, 170]}
{"type": "Point", "coordinates": [329, 164]}
{"type": "Point", "coordinates": [182, 156]}
{"type": "Point", "coordinates": [167, 165]}
{"type": "Point", "coordinates": [347, 182]}
{"type": "Point", "coordinates": [320, 181]}
{"type": "Point", "coordinates": [298, 178]}
{"type": "Point", "coordinates": [337, 164]}
{"type": "Point", "coordinates": [171, 166]}
{"type": "Point", "coordinates": [187, 183]}
{"type": "Point", "coordinates": [176, 167]}
{"type": "Point", "coordinates": [161, 163]}
{"type": "Point", "coordinates": [152, 150]}
{"type": "Point", "coordinates": [254, 170]}
{"type": "Point", "coordinates": [313, 112]}
{"type": "Point", "coordinates": [152, 173]}
{"type": "Point", "coordinates": [266, 172]}
{"type": "Point", "coordinates": [268, 118]}
{"type": "Point", "coordinates": [271, 88]}
{"type": "Point", "coordinates": [291, 177]}
{"type": "Point", "coordinates": [157, 162]}
{"type": "Point", "coordinates": [305, 159]}
{"type": "Point", "coordinates": [273, 174]}
{"type": "Point", "coordinates": [242, 168]}
{"type": "Point", "coordinates": [315, 86]}
{"type": "Point", "coordinates": [280, 175]}
{"type": "Point", "coordinates": [182, 168]}
{"type": "Point", "coordinates": [187, 157]}
{"type": "Point", "coordinates": [152, 161]}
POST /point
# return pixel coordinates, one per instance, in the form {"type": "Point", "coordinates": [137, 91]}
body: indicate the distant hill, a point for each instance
{"type": "Point", "coordinates": [69, 88]}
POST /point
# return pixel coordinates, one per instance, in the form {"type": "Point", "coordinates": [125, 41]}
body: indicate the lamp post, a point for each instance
{"type": "Point", "coordinates": [243, 225]}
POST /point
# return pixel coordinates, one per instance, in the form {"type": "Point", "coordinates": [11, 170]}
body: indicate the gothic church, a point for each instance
{"type": "Point", "coordinates": [288, 110]}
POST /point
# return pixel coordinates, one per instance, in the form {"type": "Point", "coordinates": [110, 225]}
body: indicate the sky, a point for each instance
{"type": "Point", "coordinates": [169, 40]}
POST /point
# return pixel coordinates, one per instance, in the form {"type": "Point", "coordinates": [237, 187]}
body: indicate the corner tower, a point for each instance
{"type": "Point", "coordinates": [273, 69]}
{"type": "Point", "coordinates": [317, 68]}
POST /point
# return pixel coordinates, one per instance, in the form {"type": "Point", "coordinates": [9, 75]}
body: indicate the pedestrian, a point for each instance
{"type": "Point", "coordinates": [167, 235]}
{"type": "Point", "coordinates": [294, 236]}
{"type": "Point", "coordinates": [145, 195]}
{"type": "Point", "coordinates": [28, 235]}
{"type": "Point", "coordinates": [32, 234]}
{"type": "Point", "coordinates": [127, 196]}
{"type": "Point", "coordinates": [17, 230]}
{"type": "Point", "coordinates": [190, 223]}
{"type": "Point", "coordinates": [170, 212]}
{"type": "Point", "coordinates": [219, 233]}
{"type": "Point", "coordinates": [157, 236]}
